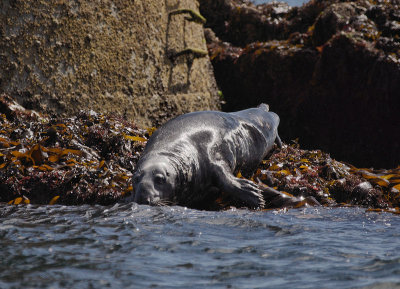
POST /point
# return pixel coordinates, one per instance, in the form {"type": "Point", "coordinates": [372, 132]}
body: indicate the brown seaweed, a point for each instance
{"type": "Point", "coordinates": [89, 159]}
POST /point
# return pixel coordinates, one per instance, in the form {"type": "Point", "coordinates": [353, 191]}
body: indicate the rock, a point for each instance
{"type": "Point", "coordinates": [89, 159]}
{"type": "Point", "coordinates": [239, 22]}
{"type": "Point", "coordinates": [331, 20]}
{"type": "Point", "coordinates": [117, 53]}
{"type": "Point", "coordinates": [331, 69]}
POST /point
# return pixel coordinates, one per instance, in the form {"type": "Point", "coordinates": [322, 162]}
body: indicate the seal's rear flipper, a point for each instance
{"type": "Point", "coordinates": [278, 141]}
{"type": "Point", "coordinates": [276, 199]}
{"type": "Point", "coordinates": [264, 106]}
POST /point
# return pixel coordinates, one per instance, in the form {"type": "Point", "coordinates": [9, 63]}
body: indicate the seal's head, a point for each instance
{"type": "Point", "coordinates": [154, 181]}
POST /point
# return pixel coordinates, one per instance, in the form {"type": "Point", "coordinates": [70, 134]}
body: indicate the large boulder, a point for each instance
{"type": "Point", "coordinates": [143, 59]}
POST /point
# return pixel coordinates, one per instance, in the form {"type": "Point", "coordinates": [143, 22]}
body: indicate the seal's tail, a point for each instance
{"type": "Point", "coordinates": [264, 106]}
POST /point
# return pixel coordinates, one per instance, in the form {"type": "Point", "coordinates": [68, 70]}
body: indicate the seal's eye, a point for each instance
{"type": "Point", "coordinates": [159, 179]}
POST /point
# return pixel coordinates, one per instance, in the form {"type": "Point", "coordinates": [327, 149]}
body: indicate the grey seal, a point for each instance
{"type": "Point", "coordinates": [196, 155]}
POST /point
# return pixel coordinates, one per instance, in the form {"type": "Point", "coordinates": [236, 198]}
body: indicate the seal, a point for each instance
{"type": "Point", "coordinates": [196, 155]}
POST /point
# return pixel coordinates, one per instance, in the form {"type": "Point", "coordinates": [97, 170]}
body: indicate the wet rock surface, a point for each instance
{"type": "Point", "coordinates": [89, 159]}
{"type": "Point", "coordinates": [331, 70]}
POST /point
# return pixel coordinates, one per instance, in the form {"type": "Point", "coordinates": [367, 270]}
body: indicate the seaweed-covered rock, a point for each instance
{"type": "Point", "coordinates": [304, 173]}
{"type": "Point", "coordinates": [331, 70]}
{"type": "Point", "coordinates": [89, 159]}
{"type": "Point", "coordinates": [84, 159]}
{"type": "Point", "coordinates": [332, 20]}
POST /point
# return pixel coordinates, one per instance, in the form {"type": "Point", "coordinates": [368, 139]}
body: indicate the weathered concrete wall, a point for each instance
{"type": "Point", "coordinates": [107, 55]}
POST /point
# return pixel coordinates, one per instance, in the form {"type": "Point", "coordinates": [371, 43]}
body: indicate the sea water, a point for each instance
{"type": "Point", "coordinates": [137, 246]}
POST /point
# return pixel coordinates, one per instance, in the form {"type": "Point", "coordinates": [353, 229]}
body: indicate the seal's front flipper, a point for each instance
{"type": "Point", "coordinates": [249, 192]}
{"type": "Point", "coordinates": [241, 189]}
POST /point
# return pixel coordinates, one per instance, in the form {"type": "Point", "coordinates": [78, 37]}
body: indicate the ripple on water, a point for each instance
{"type": "Point", "coordinates": [132, 246]}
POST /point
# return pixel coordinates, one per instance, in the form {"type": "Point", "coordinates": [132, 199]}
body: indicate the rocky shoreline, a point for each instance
{"type": "Point", "coordinates": [330, 69]}
{"type": "Point", "coordinates": [89, 159]}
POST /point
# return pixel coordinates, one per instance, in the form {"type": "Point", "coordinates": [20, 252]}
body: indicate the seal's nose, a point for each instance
{"type": "Point", "coordinates": [143, 194]}
{"type": "Point", "coordinates": [140, 199]}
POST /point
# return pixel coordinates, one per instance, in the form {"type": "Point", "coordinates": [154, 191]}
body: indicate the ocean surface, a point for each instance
{"type": "Point", "coordinates": [132, 246]}
{"type": "Point", "coordinates": [290, 2]}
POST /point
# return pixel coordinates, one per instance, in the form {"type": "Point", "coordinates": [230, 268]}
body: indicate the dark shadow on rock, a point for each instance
{"type": "Point", "coordinates": [330, 69]}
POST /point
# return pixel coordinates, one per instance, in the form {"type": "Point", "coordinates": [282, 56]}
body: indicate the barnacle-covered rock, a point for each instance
{"type": "Point", "coordinates": [112, 56]}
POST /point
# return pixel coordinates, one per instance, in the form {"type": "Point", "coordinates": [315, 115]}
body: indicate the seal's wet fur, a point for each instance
{"type": "Point", "coordinates": [200, 153]}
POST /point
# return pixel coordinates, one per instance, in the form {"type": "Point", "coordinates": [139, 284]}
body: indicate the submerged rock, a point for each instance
{"type": "Point", "coordinates": [331, 69]}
